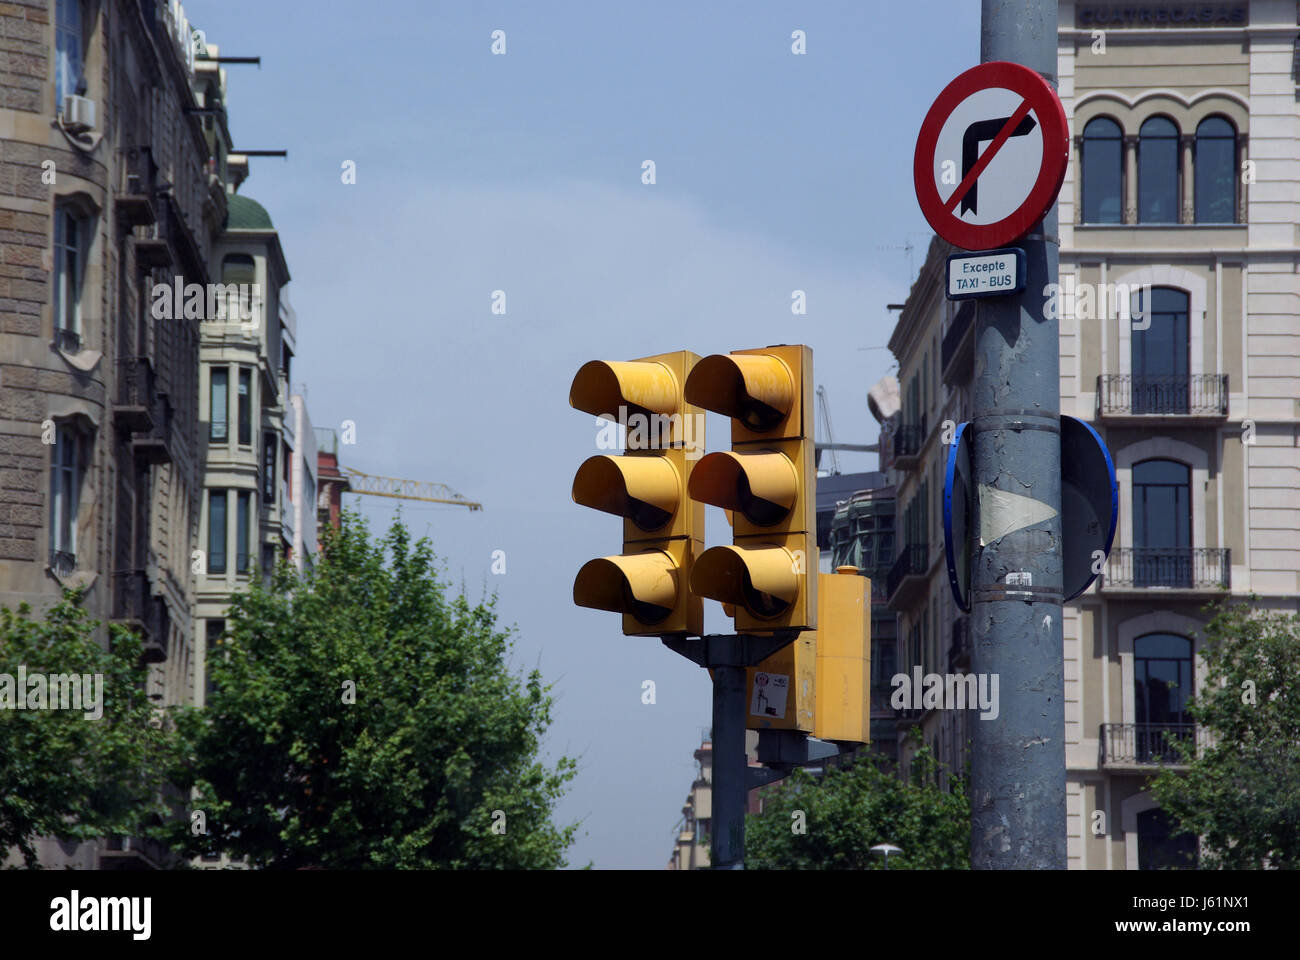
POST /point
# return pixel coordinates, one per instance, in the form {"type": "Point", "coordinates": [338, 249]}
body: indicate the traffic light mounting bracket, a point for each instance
{"type": "Point", "coordinates": [730, 649]}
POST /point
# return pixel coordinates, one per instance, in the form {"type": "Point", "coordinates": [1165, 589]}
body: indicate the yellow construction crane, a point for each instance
{"type": "Point", "coordinates": [406, 489]}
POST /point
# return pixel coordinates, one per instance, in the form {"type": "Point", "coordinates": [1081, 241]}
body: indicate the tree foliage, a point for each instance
{"type": "Point", "coordinates": [1241, 795]}
{"type": "Point", "coordinates": [434, 764]}
{"type": "Point", "coordinates": [64, 774]}
{"type": "Point", "coordinates": [850, 809]}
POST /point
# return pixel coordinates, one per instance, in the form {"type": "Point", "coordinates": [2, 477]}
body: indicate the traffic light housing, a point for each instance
{"type": "Point", "coordinates": [843, 685]}
{"type": "Point", "coordinates": [663, 529]}
{"type": "Point", "coordinates": [768, 483]}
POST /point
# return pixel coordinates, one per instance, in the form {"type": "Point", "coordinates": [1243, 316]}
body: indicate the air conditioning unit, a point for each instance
{"type": "Point", "coordinates": [78, 113]}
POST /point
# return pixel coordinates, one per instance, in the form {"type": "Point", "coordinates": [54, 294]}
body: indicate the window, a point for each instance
{"type": "Point", "coordinates": [269, 444]}
{"type": "Point", "coordinates": [67, 51]}
{"type": "Point", "coordinates": [67, 471]}
{"type": "Point", "coordinates": [1162, 524]}
{"type": "Point", "coordinates": [1216, 171]}
{"type": "Point", "coordinates": [216, 531]}
{"type": "Point", "coordinates": [1158, 848]}
{"type": "Point", "coordinates": [239, 270]}
{"type": "Point", "coordinates": [1103, 172]}
{"type": "Point", "coordinates": [219, 431]}
{"type": "Point", "coordinates": [1158, 171]}
{"type": "Point", "coordinates": [1162, 670]}
{"type": "Point", "coordinates": [214, 629]}
{"type": "Point", "coordinates": [245, 406]}
{"type": "Point", "coordinates": [69, 268]}
{"type": "Point", "coordinates": [1160, 353]}
{"type": "Point", "coordinates": [241, 532]}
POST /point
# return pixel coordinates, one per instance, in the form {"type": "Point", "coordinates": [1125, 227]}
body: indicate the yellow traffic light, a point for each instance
{"type": "Point", "coordinates": [767, 481]}
{"type": "Point", "coordinates": [663, 528]}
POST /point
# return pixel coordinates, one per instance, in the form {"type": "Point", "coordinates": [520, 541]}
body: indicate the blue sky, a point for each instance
{"type": "Point", "coordinates": [522, 173]}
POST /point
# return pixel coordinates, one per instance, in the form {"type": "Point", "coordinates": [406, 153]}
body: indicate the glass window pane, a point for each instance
{"type": "Point", "coordinates": [1216, 171]}
{"type": "Point", "coordinates": [1158, 172]}
{"type": "Point", "coordinates": [241, 534]}
{"type": "Point", "coordinates": [220, 392]}
{"type": "Point", "coordinates": [217, 531]}
{"type": "Point", "coordinates": [245, 406]}
{"type": "Point", "coordinates": [1102, 172]}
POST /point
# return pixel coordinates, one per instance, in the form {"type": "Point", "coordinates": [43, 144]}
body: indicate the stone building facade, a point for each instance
{"type": "Point", "coordinates": [113, 179]}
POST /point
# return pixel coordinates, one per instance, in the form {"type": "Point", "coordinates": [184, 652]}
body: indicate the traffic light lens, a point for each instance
{"type": "Point", "coordinates": [756, 415]}
{"type": "Point", "coordinates": [765, 513]}
{"type": "Point", "coordinates": [646, 515]}
{"type": "Point", "coordinates": [763, 605]}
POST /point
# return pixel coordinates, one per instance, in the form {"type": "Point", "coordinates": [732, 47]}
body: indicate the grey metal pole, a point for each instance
{"type": "Point", "coordinates": [1018, 763]}
{"type": "Point", "coordinates": [730, 765]}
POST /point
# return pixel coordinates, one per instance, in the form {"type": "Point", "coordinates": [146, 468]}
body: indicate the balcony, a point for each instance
{"type": "Point", "coordinates": [135, 607]}
{"type": "Point", "coordinates": [1180, 569]}
{"type": "Point", "coordinates": [908, 440]}
{"type": "Point", "coordinates": [1147, 744]}
{"type": "Point", "coordinates": [957, 351]}
{"type": "Point", "coordinates": [154, 444]}
{"type": "Point", "coordinates": [907, 575]}
{"type": "Point", "coordinates": [1142, 398]}
{"type": "Point", "coordinates": [959, 651]}
{"type": "Point", "coordinates": [136, 395]}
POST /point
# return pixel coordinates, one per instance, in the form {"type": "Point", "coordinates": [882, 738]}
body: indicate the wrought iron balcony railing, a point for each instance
{"type": "Point", "coordinates": [1188, 395]}
{"type": "Point", "coordinates": [135, 605]}
{"type": "Point", "coordinates": [1148, 743]}
{"type": "Point", "coordinates": [913, 560]}
{"type": "Point", "coordinates": [136, 396]}
{"type": "Point", "coordinates": [908, 439]}
{"type": "Point", "coordinates": [1181, 568]}
{"type": "Point", "coordinates": [67, 340]}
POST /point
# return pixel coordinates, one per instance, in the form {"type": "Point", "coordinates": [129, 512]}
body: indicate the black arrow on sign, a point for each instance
{"type": "Point", "coordinates": [976, 134]}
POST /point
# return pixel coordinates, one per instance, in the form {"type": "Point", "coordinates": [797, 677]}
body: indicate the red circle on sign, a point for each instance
{"type": "Point", "coordinates": [1044, 104]}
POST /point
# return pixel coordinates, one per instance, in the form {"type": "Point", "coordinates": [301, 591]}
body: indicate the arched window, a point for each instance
{"type": "Point", "coordinates": [1162, 524]}
{"type": "Point", "coordinates": [1161, 382]}
{"type": "Point", "coordinates": [1103, 172]}
{"type": "Point", "coordinates": [1216, 171]}
{"type": "Point", "coordinates": [1159, 848]}
{"type": "Point", "coordinates": [1158, 171]}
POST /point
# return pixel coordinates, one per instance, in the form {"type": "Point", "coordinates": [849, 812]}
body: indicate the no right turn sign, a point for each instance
{"type": "Point", "coordinates": [991, 155]}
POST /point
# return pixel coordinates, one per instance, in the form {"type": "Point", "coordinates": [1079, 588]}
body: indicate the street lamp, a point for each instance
{"type": "Point", "coordinates": [884, 850]}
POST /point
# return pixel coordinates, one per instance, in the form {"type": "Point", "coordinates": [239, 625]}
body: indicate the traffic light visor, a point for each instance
{"type": "Point", "coordinates": [646, 490]}
{"type": "Point", "coordinates": [762, 485]}
{"type": "Point", "coordinates": [601, 387]}
{"type": "Point", "coordinates": [757, 389]}
{"type": "Point", "coordinates": [763, 580]}
{"type": "Point", "coordinates": [643, 585]}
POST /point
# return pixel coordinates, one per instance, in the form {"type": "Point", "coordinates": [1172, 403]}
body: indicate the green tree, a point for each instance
{"type": "Point", "coordinates": [363, 719]}
{"type": "Point", "coordinates": [850, 809]}
{"type": "Point", "coordinates": [1241, 795]}
{"type": "Point", "coordinates": [64, 774]}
